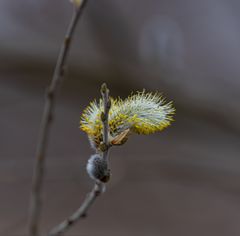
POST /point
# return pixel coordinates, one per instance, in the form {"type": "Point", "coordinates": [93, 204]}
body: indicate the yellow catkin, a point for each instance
{"type": "Point", "coordinates": [141, 113]}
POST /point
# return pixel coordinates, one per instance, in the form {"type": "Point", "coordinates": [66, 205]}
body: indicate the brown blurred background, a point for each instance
{"type": "Point", "coordinates": [183, 181]}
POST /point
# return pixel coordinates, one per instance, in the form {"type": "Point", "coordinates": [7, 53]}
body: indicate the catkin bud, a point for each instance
{"type": "Point", "coordinates": [140, 113]}
{"type": "Point", "coordinates": [97, 168]}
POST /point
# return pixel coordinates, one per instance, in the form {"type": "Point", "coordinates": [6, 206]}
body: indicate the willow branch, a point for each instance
{"type": "Point", "coordinates": [104, 117]}
{"type": "Point", "coordinates": [81, 212]}
{"type": "Point", "coordinates": [47, 117]}
{"type": "Point", "coordinates": [98, 188]}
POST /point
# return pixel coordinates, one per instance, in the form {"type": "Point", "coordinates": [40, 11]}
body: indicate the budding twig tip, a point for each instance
{"type": "Point", "coordinates": [104, 88]}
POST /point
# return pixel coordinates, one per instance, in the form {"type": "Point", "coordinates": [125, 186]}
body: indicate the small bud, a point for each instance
{"type": "Point", "coordinates": [77, 3]}
{"type": "Point", "coordinates": [121, 138]}
{"type": "Point", "coordinates": [97, 168]}
{"type": "Point", "coordinates": [103, 117]}
{"type": "Point", "coordinates": [104, 88]}
{"type": "Point", "coordinates": [103, 147]}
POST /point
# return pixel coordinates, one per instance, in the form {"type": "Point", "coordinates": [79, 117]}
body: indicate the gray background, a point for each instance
{"type": "Point", "coordinates": [182, 181]}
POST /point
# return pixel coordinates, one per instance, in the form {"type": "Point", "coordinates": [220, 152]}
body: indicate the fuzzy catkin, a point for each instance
{"type": "Point", "coordinates": [97, 168]}
{"type": "Point", "coordinates": [140, 113]}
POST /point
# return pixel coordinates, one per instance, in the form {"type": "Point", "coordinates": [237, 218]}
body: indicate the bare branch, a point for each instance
{"type": "Point", "coordinates": [47, 117]}
{"type": "Point", "coordinates": [80, 212]}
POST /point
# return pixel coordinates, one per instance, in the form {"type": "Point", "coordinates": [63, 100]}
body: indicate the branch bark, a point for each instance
{"type": "Point", "coordinates": [47, 117]}
{"type": "Point", "coordinates": [104, 117]}
{"type": "Point", "coordinates": [80, 212]}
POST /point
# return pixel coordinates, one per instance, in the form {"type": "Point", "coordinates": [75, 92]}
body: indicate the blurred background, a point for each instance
{"type": "Point", "coordinates": [182, 181]}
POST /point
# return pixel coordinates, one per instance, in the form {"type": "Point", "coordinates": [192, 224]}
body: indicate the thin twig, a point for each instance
{"type": "Point", "coordinates": [80, 212]}
{"type": "Point", "coordinates": [47, 117]}
{"type": "Point", "coordinates": [99, 186]}
{"type": "Point", "coordinates": [104, 117]}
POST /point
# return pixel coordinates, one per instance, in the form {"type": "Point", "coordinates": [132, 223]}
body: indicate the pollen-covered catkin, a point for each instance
{"type": "Point", "coordinates": [97, 168]}
{"type": "Point", "coordinates": [140, 113]}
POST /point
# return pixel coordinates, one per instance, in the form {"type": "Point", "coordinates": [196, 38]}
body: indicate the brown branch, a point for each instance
{"type": "Point", "coordinates": [99, 186]}
{"type": "Point", "coordinates": [104, 117]}
{"type": "Point", "coordinates": [80, 212]}
{"type": "Point", "coordinates": [47, 117]}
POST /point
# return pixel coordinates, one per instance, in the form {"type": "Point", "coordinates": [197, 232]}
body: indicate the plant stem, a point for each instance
{"type": "Point", "coordinates": [79, 213]}
{"type": "Point", "coordinates": [47, 117]}
{"type": "Point", "coordinates": [104, 117]}
{"type": "Point", "coordinates": [99, 186]}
